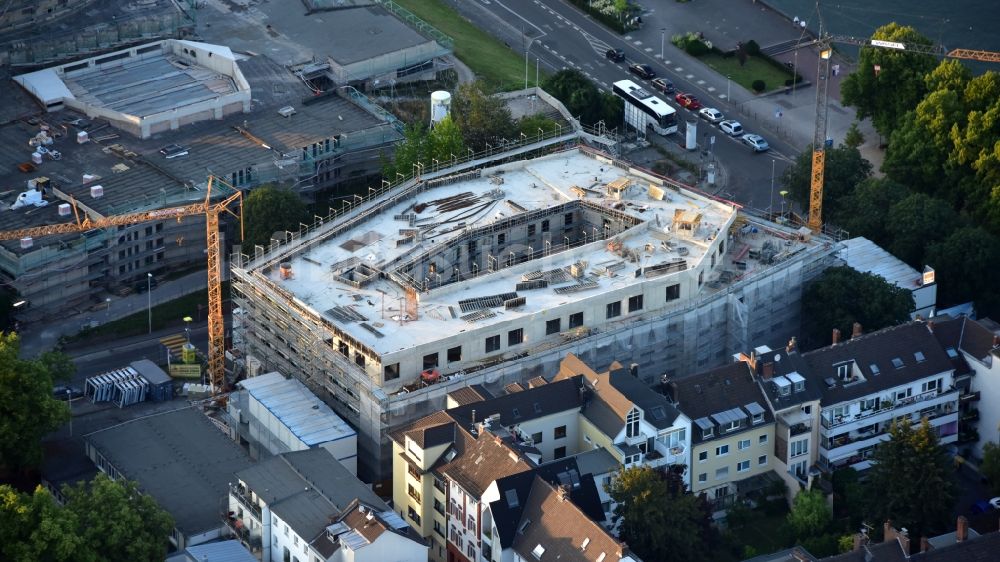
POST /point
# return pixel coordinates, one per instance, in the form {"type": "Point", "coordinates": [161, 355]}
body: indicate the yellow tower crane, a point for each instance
{"type": "Point", "coordinates": [211, 211]}
{"type": "Point", "coordinates": [822, 105]}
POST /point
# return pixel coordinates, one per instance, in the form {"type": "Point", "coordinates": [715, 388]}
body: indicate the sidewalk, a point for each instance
{"type": "Point", "coordinates": [37, 337]}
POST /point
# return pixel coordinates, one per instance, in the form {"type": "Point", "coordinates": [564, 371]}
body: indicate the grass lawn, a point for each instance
{"type": "Point", "coordinates": [754, 69]}
{"type": "Point", "coordinates": [490, 59]}
{"type": "Point", "coordinates": [164, 315]}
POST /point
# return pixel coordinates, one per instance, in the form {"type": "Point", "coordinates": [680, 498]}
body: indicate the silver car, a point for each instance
{"type": "Point", "coordinates": [731, 127]}
{"type": "Point", "coordinates": [756, 142]}
{"type": "Point", "coordinates": [711, 114]}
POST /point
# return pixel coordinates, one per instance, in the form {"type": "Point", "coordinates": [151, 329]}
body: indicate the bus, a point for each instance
{"type": "Point", "coordinates": [643, 109]}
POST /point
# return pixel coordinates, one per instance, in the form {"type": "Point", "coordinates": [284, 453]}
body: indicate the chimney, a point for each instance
{"type": "Point", "coordinates": [888, 531]}
{"type": "Point", "coordinates": [768, 371]}
{"type": "Point", "coordinates": [962, 530]}
{"type": "Point", "coordinates": [996, 341]}
{"type": "Point", "coordinates": [925, 544]}
{"type": "Point", "coordinates": [800, 556]}
{"type": "Point", "coordinates": [562, 492]}
{"type": "Point", "coordinates": [836, 336]}
{"type": "Point", "coordinates": [791, 345]}
{"type": "Point", "coordinates": [859, 541]}
{"type": "Point", "coordinates": [855, 330]}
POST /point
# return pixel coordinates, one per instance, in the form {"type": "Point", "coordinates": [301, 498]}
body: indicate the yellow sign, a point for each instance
{"type": "Point", "coordinates": [185, 371]}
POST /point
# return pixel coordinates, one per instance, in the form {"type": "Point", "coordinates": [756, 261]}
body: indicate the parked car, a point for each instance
{"type": "Point", "coordinates": [642, 70]}
{"type": "Point", "coordinates": [756, 142]}
{"type": "Point", "coordinates": [711, 114]}
{"type": "Point", "coordinates": [688, 101]}
{"type": "Point", "coordinates": [616, 55]}
{"type": "Point", "coordinates": [66, 392]}
{"type": "Point", "coordinates": [663, 85]}
{"type": "Point", "coordinates": [731, 127]}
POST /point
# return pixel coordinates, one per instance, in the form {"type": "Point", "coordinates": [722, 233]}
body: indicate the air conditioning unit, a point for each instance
{"type": "Point", "coordinates": [286, 111]}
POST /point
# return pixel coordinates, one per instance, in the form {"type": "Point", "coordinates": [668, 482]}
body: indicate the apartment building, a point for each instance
{"type": "Point", "coordinates": [303, 506]}
{"type": "Point", "coordinates": [872, 380]}
{"type": "Point", "coordinates": [529, 518]}
{"type": "Point", "coordinates": [795, 402]}
{"type": "Point", "coordinates": [732, 433]}
{"type": "Point", "coordinates": [974, 349]}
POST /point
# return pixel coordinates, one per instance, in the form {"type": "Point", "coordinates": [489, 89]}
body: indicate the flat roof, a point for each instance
{"type": "Point", "coordinates": [180, 458]}
{"type": "Point", "coordinates": [448, 212]}
{"type": "Point", "coordinates": [868, 257]}
{"type": "Point", "coordinates": [306, 416]}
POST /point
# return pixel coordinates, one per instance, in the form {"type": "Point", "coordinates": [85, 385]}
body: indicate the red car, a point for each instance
{"type": "Point", "coordinates": [688, 101]}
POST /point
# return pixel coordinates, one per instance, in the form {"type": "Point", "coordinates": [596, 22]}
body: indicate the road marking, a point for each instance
{"type": "Point", "coordinates": [656, 56]}
{"type": "Point", "coordinates": [599, 47]}
{"type": "Point", "coordinates": [711, 89]}
{"type": "Point", "coordinates": [667, 62]}
{"type": "Point", "coordinates": [678, 69]}
{"type": "Point", "coordinates": [700, 82]}
{"type": "Point", "coordinates": [628, 37]}
{"type": "Point", "coordinates": [637, 43]}
{"type": "Point", "coordinates": [689, 76]}
{"type": "Point", "coordinates": [722, 96]}
{"type": "Point", "coordinates": [649, 49]}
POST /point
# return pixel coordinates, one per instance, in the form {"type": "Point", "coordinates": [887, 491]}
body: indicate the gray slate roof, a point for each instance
{"type": "Point", "coordinates": [717, 391]}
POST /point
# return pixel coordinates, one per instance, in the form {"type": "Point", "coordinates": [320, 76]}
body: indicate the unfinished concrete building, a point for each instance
{"type": "Point", "coordinates": [492, 272]}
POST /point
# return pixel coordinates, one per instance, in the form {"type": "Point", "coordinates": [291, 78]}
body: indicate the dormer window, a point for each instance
{"type": "Point", "coordinates": [758, 418]}
{"type": "Point", "coordinates": [844, 371]}
{"type": "Point", "coordinates": [733, 426]}
{"type": "Point", "coordinates": [707, 432]}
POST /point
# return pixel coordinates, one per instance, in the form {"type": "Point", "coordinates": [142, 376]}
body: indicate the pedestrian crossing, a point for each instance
{"type": "Point", "coordinates": [174, 343]}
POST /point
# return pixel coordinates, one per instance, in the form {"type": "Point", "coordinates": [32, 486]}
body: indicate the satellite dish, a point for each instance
{"type": "Point", "coordinates": [777, 357]}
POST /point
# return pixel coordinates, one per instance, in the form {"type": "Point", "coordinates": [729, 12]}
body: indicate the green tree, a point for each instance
{"type": "Point", "coordinates": [843, 296]}
{"type": "Point", "coordinates": [582, 98]}
{"type": "Point", "coordinates": [916, 221]}
{"type": "Point", "coordinates": [844, 169]}
{"type": "Point", "coordinates": [810, 516]}
{"type": "Point", "coordinates": [990, 467]}
{"type": "Point", "coordinates": [911, 480]}
{"type": "Point", "coordinates": [267, 210]}
{"type": "Point", "coordinates": [482, 118]}
{"type": "Point", "coordinates": [444, 142]}
{"type": "Point", "coordinates": [869, 205]}
{"type": "Point", "coordinates": [853, 138]}
{"type": "Point", "coordinates": [918, 150]}
{"type": "Point", "coordinates": [34, 527]}
{"type": "Point", "coordinates": [27, 409]}
{"type": "Point", "coordinates": [963, 264]}
{"type": "Point", "coordinates": [656, 523]}
{"type": "Point", "coordinates": [119, 522]}
{"type": "Point", "coordinates": [898, 85]}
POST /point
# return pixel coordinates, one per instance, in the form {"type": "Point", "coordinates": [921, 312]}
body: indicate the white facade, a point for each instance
{"type": "Point", "coordinates": [864, 255]}
{"type": "Point", "coordinates": [851, 429]}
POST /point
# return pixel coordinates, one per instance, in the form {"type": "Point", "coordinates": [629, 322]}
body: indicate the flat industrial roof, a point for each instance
{"type": "Point", "coordinates": [866, 256]}
{"type": "Point", "coordinates": [305, 415]}
{"type": "Point", "coordinates": [180, 458]}
{"type": "Point", "coordinates": [446, 212]}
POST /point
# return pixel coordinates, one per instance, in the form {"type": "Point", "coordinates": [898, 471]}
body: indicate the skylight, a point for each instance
{"type": "Point", "coordinates": [897, 362]}
{"type": "Point", "coordinates": [511, 498]}
{"type": "Point", "coordinates": [658, 413]}
{"type": "Point", "coordinates": [538, 551]}
{"type": "Point", "coordinates": [919, 356]}
{"type": "Point", "coordinates": [874, 368]}
{"type": "Point", "coordinates": [952, 353]}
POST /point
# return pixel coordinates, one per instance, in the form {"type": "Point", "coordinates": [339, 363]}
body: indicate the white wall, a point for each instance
{"type": "Point", "coordinates": [987, 382]}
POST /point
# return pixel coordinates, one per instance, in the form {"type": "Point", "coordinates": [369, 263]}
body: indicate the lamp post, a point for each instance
{"type": "Point", "coordinates": [69, 402]}
{"type": "Point", "coordinates": [770, 206]}
{"type": "Point", "coordinates": [149, 300]}
{"type": "Point", "coordinates": [728, 96]}
{"type": "Point", "coordinates": [187, 327]}
{"type": "Point", "coordinates": [663, 32]}
{"type": "Point", "coordinates": [782, 193]}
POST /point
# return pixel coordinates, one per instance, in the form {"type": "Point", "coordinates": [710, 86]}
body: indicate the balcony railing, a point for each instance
{"type": "Point", "coordinates": [239, 493]}
{"type": "Point", "coordinates": [892, 405]}
{"type": "Point", "coordinates": [970, 397]}
{"type": "Point", "coordinates": [241, 532]}
{"type": "Point", "coordinates": [414, 494]}
{"type": "Point", "coordinates": [799, 429]}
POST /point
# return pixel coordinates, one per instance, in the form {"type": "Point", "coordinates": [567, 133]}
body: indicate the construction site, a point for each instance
{"type": "Point", "coordinates": [489, 272]}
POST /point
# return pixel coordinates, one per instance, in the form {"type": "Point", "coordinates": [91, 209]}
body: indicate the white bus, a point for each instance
{"type": "Point", "coordinates": [643, 109]}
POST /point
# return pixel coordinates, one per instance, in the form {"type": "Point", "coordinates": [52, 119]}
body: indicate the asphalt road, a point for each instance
{"type": "Point", "coordinates": [96, 361]}
{"type": "Point", "coordinates": [560, 36]}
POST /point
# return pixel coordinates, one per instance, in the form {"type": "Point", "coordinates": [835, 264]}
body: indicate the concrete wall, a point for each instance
{"type": "Point", "coordinates": [987, 382]}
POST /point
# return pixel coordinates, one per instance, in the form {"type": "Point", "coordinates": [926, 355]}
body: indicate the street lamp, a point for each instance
{"type": "Point", "coordinates": [728, 96]}
{"type": "Point", "coordinates": [783, 193]}
{"type": "Point", "coordinates": [187, 327]}
{"type": "Point", "coordinates": [663, 32]}
{"type": "Point", "coordinates": [149, 300]}
{"type": "Point", "coordinates": [69, 402]}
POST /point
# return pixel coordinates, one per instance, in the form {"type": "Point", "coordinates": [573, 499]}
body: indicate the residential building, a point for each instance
{"type": "Point", "coordinates": [795, 402]}
{"type": "Point", "coordinates": [872, 380]}
{"type": "Point", "coordinates": [866, 256]}
{"type": "Point", "coordinates": [974, 350]}
{"type": "Point", "coordinates": [390, 307]}
{"type": "Point", "coordinates": [964, 543]}
{"type": "Point", "coordinates": [275, 415]}
{"type": "Point", "coordinates": [732, 441]}
{"type": "Point", "coordinates": [597, 422]}
{"type": "Point", "coordinates": [161, 452]}
{"type": "Point", "coordinates": [221, 551]}
{"type": "Point", "coordinates": [625, 417]}
{"type": "Point", "coordinates": [305, 506]}
{"type": "Point", "coordinates": [531, 519]}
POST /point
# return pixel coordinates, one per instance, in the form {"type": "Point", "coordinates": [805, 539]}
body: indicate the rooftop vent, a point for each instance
{"type": "Point", "coordinates": [286, 111]}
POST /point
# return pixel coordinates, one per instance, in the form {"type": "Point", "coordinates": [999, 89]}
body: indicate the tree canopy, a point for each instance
{"type": "Point", "coordinates": [658, 521]}
{"type": "Point", "coordinates": [843, 296]}
{"type": "Point", "coordinates": [582, 98]}
{"type": "Point", "coordinates": [990, 467]}
{"type": "Point", "coordinates": [965, 267]}
{"type": "Point", "coordinates": [482, 118]}
{"type": "Point", "coordinates": [810, 516]}
{"type": "Point", "coordinates": [869, 206]}
{"type": "Point", "coordinates": [844, 169]}
{"type": "Point", "coordinates": [27, 409]}
{"type": "Point", "coordinates": [424, 145]}
{"type": "Point", "coordinates": [267, 210]}
{"type": "Point", "coordinates": [102, 520]}
{"type": "Point", "coordinates": [911, 480]}
{"type": "Point", "coordinates": [887, 93]}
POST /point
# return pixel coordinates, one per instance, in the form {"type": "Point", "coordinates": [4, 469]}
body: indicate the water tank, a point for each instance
{"type": "Point", "coordinates": [440, 106]}
{"type": "Point", "coordinates": [64, 210]}
{"type": "Point", "coordinates": [36, 157]}
{"type": "Point", "coordinates": [691, 137]}
{"type": "Point", "coordinates": [97, 191]}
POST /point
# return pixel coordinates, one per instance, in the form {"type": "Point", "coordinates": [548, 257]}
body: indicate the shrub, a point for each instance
{"type": "Point", "coordinates": [758, 86]}
{"type": "Point", "coordinates": [752, 48]}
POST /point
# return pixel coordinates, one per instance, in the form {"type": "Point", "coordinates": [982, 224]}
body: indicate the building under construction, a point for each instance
{"type": "Point", "coordinates": [491, 272]}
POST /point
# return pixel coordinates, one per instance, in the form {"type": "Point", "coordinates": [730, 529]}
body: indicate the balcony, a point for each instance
{"type": "Point", "coordinates": [239, 493]}
{"type": "Point", "coordinates": [413, 494]}
{"type": "Point", "coordinates": [235, 525]}
{"type": "Point", "coordinates": [970, 397]}
{"type": "Point", "coordinates": [889, 409]}
{"type": "Point", "coordinates": [848, 443]}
